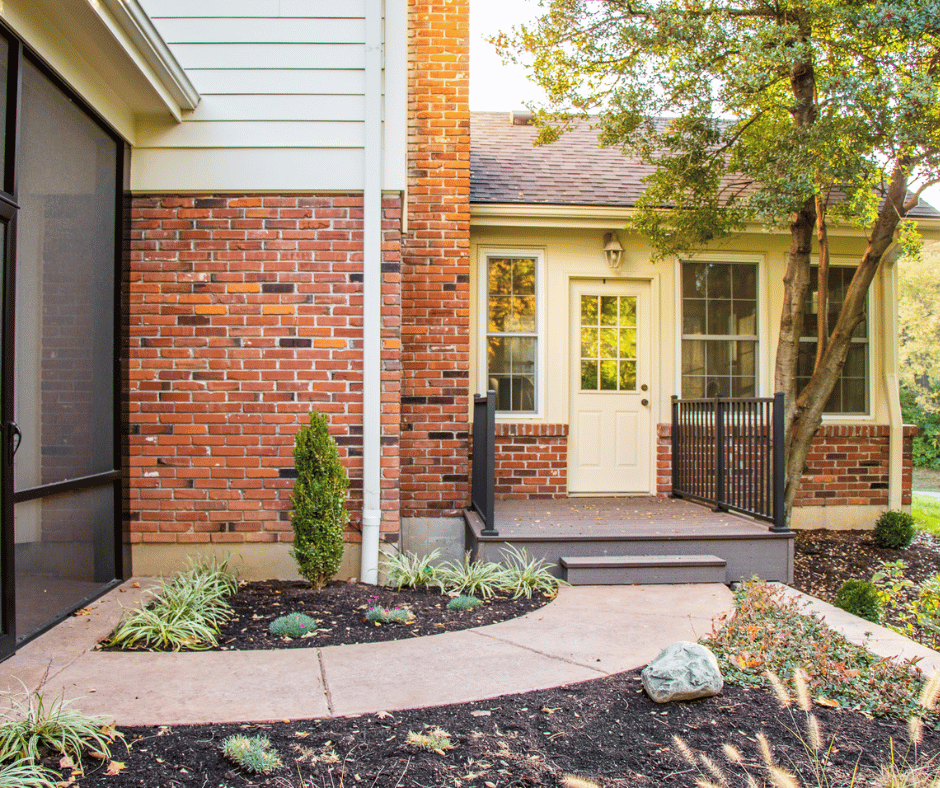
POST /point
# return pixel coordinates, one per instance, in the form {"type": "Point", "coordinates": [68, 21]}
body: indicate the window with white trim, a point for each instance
{"type": "Point", "coordinates": [719, 329]}
{"type": "Point", "coordinates": [512, 330]}
{"type": "Point", "coordinates": [850, 395]}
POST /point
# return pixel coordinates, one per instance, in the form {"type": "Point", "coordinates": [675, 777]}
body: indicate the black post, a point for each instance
{"type": "Point", "coordinates": [719, 455]}
{"type": "Point", "coordinates": [483, 484]}
{"type": "Point", "coordinates": [779, 459]}
{"type": "Point", "coordinates": [674, 440]}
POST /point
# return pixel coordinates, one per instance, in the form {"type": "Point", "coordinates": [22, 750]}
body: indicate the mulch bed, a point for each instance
{"type": "Point", "coordinates": [823, 559]}
{"type": "Point", "coordinates": [339, 609]}
{"type": "Point", "coordinates": [606, 729]}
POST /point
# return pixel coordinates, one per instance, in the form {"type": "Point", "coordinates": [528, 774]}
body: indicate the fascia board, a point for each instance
{"type": "Point", "coordinates": [135, 33]}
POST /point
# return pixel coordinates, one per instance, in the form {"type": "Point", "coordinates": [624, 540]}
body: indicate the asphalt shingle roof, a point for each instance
{"type": "Point", "coordinates": [505, 167]}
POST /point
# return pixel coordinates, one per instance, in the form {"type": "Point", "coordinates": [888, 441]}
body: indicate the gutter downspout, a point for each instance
{"type": "Point", "coordinates": [372, 300]}
{"type": "Point", "coordinates": [889, 312]}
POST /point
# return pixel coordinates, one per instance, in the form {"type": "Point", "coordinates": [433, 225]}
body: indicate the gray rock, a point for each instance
{"type": "Point", "coordinates": [682, 671]}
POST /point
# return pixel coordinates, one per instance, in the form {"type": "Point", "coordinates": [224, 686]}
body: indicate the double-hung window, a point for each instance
{"type": "Point", "coordinates": [850, 395]}
{"type": "Point", "coordinates": [512, 330]}
{"type": "Point", "coordinates": [719, 329]}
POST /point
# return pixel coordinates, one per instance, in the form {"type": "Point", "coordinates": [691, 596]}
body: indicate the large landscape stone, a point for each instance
{"type": "Point", "coordinates": [682, 671]}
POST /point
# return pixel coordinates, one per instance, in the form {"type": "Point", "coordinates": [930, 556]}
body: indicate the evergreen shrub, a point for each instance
{"type": "Point", "coordinates": [860, 598]}
{"type": "Point", "coordinates": [894, 530]}
{"type": "Point", "coordinates": [319, 501]}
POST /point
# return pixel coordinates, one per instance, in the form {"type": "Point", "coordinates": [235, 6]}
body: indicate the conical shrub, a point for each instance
{"type": "Point", "coordinates": [319, 498]}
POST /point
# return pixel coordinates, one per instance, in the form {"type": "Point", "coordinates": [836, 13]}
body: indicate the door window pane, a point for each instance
{"type": "Point", "coordinates": [64, 553]}
{"type": "Point", "coordinates": [64, 289]}
{"type": "Point", "coordinates": [608, 343]}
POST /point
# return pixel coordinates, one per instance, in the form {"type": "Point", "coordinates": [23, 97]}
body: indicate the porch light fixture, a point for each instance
{"type": "Point", "coordinates": [613, 251]}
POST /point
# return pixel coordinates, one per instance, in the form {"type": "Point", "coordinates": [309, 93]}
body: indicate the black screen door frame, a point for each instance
{"type": "Point", "coordinates": [9, 433]}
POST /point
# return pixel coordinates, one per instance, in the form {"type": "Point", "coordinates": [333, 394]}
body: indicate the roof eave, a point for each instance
{"type": "Point", "coordinates": [133, 29]}
{"type": "Point", "coordinates": [604, 217]}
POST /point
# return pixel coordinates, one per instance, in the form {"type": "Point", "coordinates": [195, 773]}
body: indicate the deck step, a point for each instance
{"type": "Point", "coordinates": [642, 569]}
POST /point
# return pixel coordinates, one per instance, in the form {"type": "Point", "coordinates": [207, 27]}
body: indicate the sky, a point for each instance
{"type": "Point", "coordinates": [494, 86]}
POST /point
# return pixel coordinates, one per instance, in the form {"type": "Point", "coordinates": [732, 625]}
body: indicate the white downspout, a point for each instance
{"type": "Point", "coordinates": [372, 300]}
{"type": "Point", "coordinates": [889, 311]}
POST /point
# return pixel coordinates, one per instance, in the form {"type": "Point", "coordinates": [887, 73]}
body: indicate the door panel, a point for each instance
{"type": "Point", "coordinates": [610, 443]}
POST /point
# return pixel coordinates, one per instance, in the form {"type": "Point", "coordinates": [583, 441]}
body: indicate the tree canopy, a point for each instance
{"type": "Point", "coordinates": [793, 114]}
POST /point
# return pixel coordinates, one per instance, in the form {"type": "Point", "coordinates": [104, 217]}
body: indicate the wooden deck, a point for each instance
{"type": "Point", "coordinates": [604, 517]}
{"type": "Point", "coordinates": [635, 526]}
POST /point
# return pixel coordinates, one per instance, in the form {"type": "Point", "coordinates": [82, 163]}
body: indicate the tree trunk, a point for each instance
{"type": "Point", "coordinates": [805, 414]}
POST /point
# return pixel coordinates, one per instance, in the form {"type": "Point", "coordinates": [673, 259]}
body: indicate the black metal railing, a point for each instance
{"type": "Point", "coordinates": [483, 464]}
{"type": "Point", "coordinates": [729, 452]}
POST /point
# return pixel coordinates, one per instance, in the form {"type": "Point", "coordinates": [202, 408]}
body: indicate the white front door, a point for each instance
{"type": "Point", "coordinates": [609, 440]}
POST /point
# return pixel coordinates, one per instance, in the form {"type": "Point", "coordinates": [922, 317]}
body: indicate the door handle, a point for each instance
{"type": "Point", "coordinates": [14, 439]}
{"type": "Point", "coordinates": [644, 387]}
{"type": "Point", "coordinates": [644, 402]}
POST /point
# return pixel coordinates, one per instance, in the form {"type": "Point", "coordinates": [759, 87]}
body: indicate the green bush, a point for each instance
{"type": "Point", "coordinates": [385, 615]}
{"type": "Point", "coordinates": [860, 598]}
{"type": "Point", "coordinates": [293, 625]}
{"type": "Point", "coordinates": [319, 501]}
{"type": "Point", "coordinates": [254, 754]}
{"type": "Point", "coordinates": [894, 530]}
{"type": "Point", "coordinates": [464, 602]}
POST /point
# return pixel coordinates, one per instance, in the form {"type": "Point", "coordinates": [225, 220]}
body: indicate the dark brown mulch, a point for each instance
{"type": "Point", "coordinates": [606, 730]}
{"type": "Point", "coordinates": [823, 560]}
{"type": "Point", "coordinates": [339, 609]}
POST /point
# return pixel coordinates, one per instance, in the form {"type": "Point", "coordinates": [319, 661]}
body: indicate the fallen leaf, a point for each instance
{"type": "Point", "coordinates": [550, 711]}
{"type": "Point", "coordinates": [114, 767]}
{"type": "Point", "coordinates": [135, 585]}
{"type": "Point", "coordinates": [828, 703]}
{"type": "Point", "coordinates": [301, 734]}
{"type": "Point", "coordinates": [480, 713]}
{"type": "Point", "coordinates": [65, 762]}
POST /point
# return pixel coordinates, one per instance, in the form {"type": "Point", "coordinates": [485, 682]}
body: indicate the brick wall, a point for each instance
{"type": "Point", "coordinates": [531, 461]}
{"type": "Point", "coordinates": [435, 265]}
{"type": "Point", "coordinates": [848, 466]}
{"type": "Point", "coordinates": [245, 312]}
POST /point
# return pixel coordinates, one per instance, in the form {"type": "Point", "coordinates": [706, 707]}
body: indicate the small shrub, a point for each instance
{"type": "Point", "coordinates": [407, 570]}
{"type": "Point", "coordinates": [524, 574]}
{"type": "Point", "coordinates": [254, 754]}
{"type": "Point", "coordinates": [293, 625]}
{"type": "Point", "coordinates": [185, 613]}
{"type": "Point", "coordinates": [894, 530]}
{"type": "Point", "coordinates": [472, 577]}
{"type": "Point", "coordinates": [860, 598]}
{"type": "Point", "coordinates": [319, 503]}
{"type": "Point", "coordinates": [435, 740]}
{"type": "Point", "coordinates": [51, 726]}
{"type": "Point", "coordinates": [464, 602]}
{"type": "Point", "coordinates": [383, 615]}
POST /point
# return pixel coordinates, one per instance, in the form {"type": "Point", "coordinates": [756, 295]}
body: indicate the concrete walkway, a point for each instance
{"type": "Point", "coordinates": [586, 633]}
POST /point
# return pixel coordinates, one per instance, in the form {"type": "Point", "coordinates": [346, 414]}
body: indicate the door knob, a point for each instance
{"type": "Point", "coordinates": [644, 402]}
{"type": "Point", "coordinates": [644, 387]}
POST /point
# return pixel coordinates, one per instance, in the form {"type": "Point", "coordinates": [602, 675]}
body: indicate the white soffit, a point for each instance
{"type": "Point", "coordinates": [109, 52]}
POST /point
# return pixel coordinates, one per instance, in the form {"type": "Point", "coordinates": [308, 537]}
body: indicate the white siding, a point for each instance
{"type": "Point", "coordinates": [282, 85]}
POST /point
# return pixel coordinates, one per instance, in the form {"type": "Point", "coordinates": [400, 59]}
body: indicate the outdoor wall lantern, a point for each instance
{"type": "Point", "coordinates": [613, 251]}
